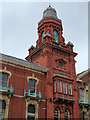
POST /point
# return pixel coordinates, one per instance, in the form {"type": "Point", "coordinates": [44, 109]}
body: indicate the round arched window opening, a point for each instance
{"type": "Point", "coordinates": [55, 35]}
{"type": "Point", "coordinates": [60, 65]}
{"type": "Point", "coordinates": [56, 114]}
{"type": "Point", "coordinates": [66, 114]}
{"type": "Point", "coordinates": [2, 109]}
{"type": "Point", "coordinates": [31, 112]}
{"type": "Point", "coordinates": [42, 35]}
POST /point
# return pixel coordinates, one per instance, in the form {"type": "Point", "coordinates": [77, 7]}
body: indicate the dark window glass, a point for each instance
{"type": "Point", "coordinates": [3, 79]}
{"type": "Point", "coordinates": [64, 87]}
{"type": "Point", "coordinates": [59, 86]}
{"type": "Point", "coordinates": [2, 109]}
{"type": "Point", "coordinates": [31, 112]}
{"type": "Point", "coordinates": [54, 86]}
{"type": "Point", "coordinates": [66, 114]}
{"type": "Point", "coordinates": [60, 65]}
{"type": "Point", "coordinates": [31, 109]}
{"type": "Point", "coordinates": [55, 35]}
{"type": "Point", "coordinates": [69, 88]}
{"type": "Point", "coordinates": [42, 35]}
{"type": "Point", "coordinates": [82, 95]}
{"type": "Point", "coordinates": [32, 85]}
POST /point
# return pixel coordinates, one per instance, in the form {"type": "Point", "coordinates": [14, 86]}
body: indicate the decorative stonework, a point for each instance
{"type": "Point", "coordinates": [34, 78]}
{"type": "Point", "coordinates": [7, 99]}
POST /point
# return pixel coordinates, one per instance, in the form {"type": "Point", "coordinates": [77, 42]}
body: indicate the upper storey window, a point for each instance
{"type": "Point", "coordinates": [69, 89]}
{"type": "Point", "coordinates": [55, 35]}
{"type": "Point", "coordinates": [82, 95]}
{"type": "Point", "coordinates": [59, 86]}
{"type": "Point", "coordinates": [3, 79]}
{"type": "Point", "coordinates": [42, 35]}
{"type": "Point", "coordinates": [32, 86]}
{"type": "Point", "coordinates": [64, 88]}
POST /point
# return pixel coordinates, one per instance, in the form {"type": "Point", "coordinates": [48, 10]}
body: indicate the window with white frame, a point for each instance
{"type": "Point", "coordinates": [32, 85]}
{"type": "Point", "coordinates": [59, 86]}
{"type": "Point", "coordinates": [54, 85]}
{"type": "Point", "coordinates": [64, 88]}
{"type": "Point", "coordinates": [82, 95]}
{"type": "Point", "coordinates": [2, 109]}
{"type": "Point", "coordinates": [69, 88]}
{"type": "Point", "coordinates": [56, 114]}
{"type": "Point", "coordinates": [3, 79]}
{"type": "Point", "coordinates": [31, 112]}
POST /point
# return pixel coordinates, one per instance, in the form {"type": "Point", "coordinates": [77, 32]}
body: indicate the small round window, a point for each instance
{"type": "Point", "coordinates": [60, 65]}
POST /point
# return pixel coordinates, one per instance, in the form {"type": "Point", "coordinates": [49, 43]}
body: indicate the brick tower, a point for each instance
{"type": "Point", "coordinates": [52, 52]}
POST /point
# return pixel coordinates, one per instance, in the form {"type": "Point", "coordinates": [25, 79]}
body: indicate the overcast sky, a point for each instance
{"type": "Point", "coordinates": [20, 22]}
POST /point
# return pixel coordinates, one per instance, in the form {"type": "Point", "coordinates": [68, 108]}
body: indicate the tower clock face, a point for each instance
{"type": "Point", "coordinates": [55, 35]}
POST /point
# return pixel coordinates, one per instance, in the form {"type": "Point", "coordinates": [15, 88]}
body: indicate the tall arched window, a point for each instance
{"type": "Point", "coordinates": [2, 109]}
{"type": "Point", "coordinates": [55, 35]}
{"type": "Point", "coordinates": [32, 85]}
{"type": "Point", "coordinates": [31, 112]}
{"type": "Point", "coordinates": [56, 114]}
{"type": "Point", "coordinates": [66, 114]}
{"type": "Point", "coordinates": [42, 35]}
{"type": "Point", "coordinates": [3, 79]}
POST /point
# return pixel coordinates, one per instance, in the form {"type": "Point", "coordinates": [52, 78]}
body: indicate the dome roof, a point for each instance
{"type": "Point", "coordinates": [50, 13]}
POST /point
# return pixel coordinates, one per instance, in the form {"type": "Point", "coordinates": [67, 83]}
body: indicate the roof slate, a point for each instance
{"type": "Point", "coordinates": [24, 62]}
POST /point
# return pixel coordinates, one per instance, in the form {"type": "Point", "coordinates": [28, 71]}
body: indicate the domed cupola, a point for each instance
{"type": "Point", "coordinates": [50, 28]}
{"type": "Point", "coordinates": [50, 12]}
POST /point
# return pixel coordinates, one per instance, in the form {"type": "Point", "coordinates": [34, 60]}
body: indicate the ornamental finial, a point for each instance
{"type": "Point", "coordinates": [49, 5]}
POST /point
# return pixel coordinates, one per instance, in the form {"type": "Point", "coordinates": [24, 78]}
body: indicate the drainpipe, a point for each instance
{"type": "Point", "coordinates": [46, 109]}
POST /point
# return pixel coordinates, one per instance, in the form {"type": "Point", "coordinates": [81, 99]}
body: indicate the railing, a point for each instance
{"type": "Point", "coordinates": [29, 94]}
{"type": "Point", "coordinates": [6, 89]}
{"type": "Point", "coordinates": [84, 101]}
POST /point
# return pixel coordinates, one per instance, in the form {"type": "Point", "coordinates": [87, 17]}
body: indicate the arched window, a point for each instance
{"type": "Point", "coordinates": [2, 109]}
{"type": "Point", "coordinates": [55, 35]}
{"type": "Point", "coordinates": [66, 114]}
{"type": "Point", "coordinates": [31, 112]}
{"type": "Point", "coordinates": [3, 79]}
{"type": "Point", "coordinates": [56, 114]}
{"type": "Point", "coordinates": [42, 35]}
{"type": "Point", "coordinates": [60, 65]}
{"type": "Point", "coordinates": [32, 85]}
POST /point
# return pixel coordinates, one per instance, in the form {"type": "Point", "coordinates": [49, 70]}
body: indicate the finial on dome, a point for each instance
{"type": "Point", "coordinates": [49, 5]}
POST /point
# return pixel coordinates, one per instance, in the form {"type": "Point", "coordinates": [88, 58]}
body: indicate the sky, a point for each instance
{"type": "Point", "coordinates": [19, 23]}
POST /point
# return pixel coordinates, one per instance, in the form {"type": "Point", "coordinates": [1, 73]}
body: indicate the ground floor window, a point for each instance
{"type": "Point", "coordinates": [66, 114]}
{"type": "Point", "coordinates": [2, 109]}
{"type": "Point", "coordinates": [56, 114]}
{"type": "Point", "coordinates": [31, 112]}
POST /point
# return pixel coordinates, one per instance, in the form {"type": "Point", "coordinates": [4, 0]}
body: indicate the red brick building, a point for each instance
{"type": "Point", "coordinates": [45, 85]}
{"type": "Point", "coordinates": [83, 81]}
